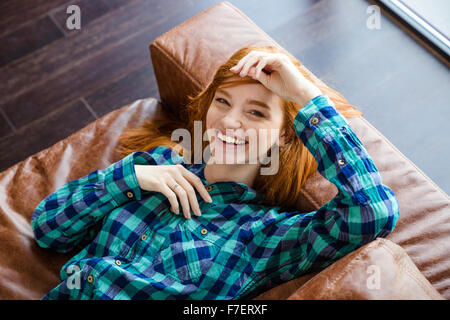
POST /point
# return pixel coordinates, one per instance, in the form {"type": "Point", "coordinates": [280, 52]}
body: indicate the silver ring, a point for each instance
{"type": "Point", "coordinates": [175, 186]}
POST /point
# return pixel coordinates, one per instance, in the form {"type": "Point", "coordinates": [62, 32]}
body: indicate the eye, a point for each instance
{"type": "Point", "coordinates": [222, 100]}
{"type": "Point", "coordinates": [257, 114]}
{"type": "Point", "coordinates": [254, 113]}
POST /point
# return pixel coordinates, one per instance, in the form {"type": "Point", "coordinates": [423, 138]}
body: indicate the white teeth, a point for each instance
{"type": "Point", "coordinates": [229, 139]}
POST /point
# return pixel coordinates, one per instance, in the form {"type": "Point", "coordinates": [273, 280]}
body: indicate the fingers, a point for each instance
{"type": "Point", "coordinates": [261, 64]}
{"type": "Point", "coordinates": [172, 197]}
{"type": "Point", "coordinates": [187, 197]}
{"type": "Point", "coordinates": [240, 64]}
{"type": "Point", "coordinates": [186, 181]}
{"type": "Point", "coordinates": [249, 63]}
{"type": "Point", "coordinates": [182, 197]}
{"type": "Point", "coordinates": [177, 183]}
{"type": "Point", "coordinates": [198, 184]}
{"type": "Point", "coordinates": [244, 65]}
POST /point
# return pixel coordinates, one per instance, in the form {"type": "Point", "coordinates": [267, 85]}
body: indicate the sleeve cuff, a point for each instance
{"type": "Point", "coordinates": [319, 114]}
{"type": "Point", "coordinates": [121, 181]}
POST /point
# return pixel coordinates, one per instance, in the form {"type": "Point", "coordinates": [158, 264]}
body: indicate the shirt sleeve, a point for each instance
{"type": "Point", "coordinates": [290, 243]}
{"type": "Point", "coordinates": [71, 215]}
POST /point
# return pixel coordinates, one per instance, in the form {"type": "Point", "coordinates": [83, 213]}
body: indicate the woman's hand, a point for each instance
{"type": "Point", "coordinates": [173, 181]}
{"type": "Point", "coordinates": [278, 74]}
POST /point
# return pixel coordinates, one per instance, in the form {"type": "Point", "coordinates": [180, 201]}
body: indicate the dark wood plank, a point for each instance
{"type": "Point", "coordinates": [269, 15]}
{"type": "Point", "coordinates": [55, 59]}
{"type": "Point", "coordinates": [346, 49]}
{"type": "Point", "coordinates": [77, 66]}
{"type": "Point", "coordinates": [343, 38]}
{"type": "Point", "coordinates": [89, 11]}
{"type": "Point", "coordinates": [397, 91]}
{"type": "Point", "coordinates": [313, 26]}
{"type": "Point", "coordinates": [5, 128]}
{"type": "Point", "coordinates": [28, 39]}
{"type": "Point", "coordinates": [114, 4]}
{"type": "Point", "coordinates": [15, 13]}
{"type": "Point", "coordinates": [81, 79]}
{"type": "Point", "coordinates": [378, 58]}
{"type": "Point", "coordinates": [426, 141]}
{"type": "Point", "coordinates": [136, 85]}
{"type": "Point", "coordinates": [43, 133]}
{"type": "Point", "coordinates": [106, 32]}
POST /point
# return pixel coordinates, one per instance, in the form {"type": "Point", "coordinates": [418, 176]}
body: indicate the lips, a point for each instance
{"type": "Point", "coordinates": [233, 140]}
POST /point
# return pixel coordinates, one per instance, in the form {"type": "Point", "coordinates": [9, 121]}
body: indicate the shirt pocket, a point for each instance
{"type": "Point", "coordinates": [147, 245]}
{"type": "Point", "coordinates": [83, 282]}
{"type": "Point", "coordinates": [186, 257]}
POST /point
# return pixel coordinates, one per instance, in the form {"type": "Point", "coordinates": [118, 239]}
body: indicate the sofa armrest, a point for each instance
{"type": "Point", "coordinates": [379, 270]}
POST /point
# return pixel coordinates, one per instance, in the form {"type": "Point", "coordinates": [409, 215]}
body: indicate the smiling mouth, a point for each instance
{"type": "Point", "coordinates": [230, 140]}
{"type": "Point", "coordinates": [230, 144]}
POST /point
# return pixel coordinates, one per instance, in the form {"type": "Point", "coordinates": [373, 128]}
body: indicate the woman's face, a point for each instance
{"type": "Point", "coordinates": [249, 113]}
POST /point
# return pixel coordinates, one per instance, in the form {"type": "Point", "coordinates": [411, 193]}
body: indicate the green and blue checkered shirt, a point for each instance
{"type": "Point", "coordinates": [133, 247]}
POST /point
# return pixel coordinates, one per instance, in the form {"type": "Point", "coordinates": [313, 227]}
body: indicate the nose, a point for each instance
{"type": "Point", "coordinates": [232, 119]}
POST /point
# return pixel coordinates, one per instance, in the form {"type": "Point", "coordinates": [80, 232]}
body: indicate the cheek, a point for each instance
{"type": "Point", "coordinates": [211, 117]}
{"type": "Point", "coordinates": [268, 137]}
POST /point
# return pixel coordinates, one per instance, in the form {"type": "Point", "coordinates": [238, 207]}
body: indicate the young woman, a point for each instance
{"type": "Point", "coordinates": [247, 234]}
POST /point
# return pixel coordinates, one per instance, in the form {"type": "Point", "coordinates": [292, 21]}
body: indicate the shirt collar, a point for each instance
{"type": "Point", "coordinates": [226, 191]}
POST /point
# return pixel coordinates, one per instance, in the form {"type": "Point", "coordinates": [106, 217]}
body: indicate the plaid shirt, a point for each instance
{"type": "Point", "coordinates": [133, 247]}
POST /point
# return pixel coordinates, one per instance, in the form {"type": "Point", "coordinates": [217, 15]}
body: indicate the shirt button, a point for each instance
{"type": "Point", "coordinates": [341, 162]}
{"type": "Point", "coordinates": [203, 231]}
{"type": "Point", "coordinates": [118, 262]}
{"type": "Point", "coordinates": [209, 188]}
{"type": "Point", "coordinates": [90, 279]}
{"type": "Point", "coordinates": [130, 194]}
{"type": "Point", "coordinates": [143, 237]}
{"type": "Point", "coordinates": [315, 120]}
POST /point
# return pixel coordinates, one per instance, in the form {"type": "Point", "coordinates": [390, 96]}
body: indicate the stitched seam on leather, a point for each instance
{"type": "Point", "coordinates": [310, 199]}
{"type": "Point", "coordinates": [346, 269]}
{"type": "Point", "coordinates": [408, 160]}
{"type": "Point", "coordinates": [183, 24]}
{"type": "Point", "coordinates": [167, 54]}
{"type": "Point", "coordinates": [176, 64]}
{"type": "Point", "coordinates": [250, 22]}
{"type": "Point", "coordinates": [404, 267]}
{"type": "Point", "coordinates": [354, 260]}
{"type": "Point", "coordinates": [400, 260]}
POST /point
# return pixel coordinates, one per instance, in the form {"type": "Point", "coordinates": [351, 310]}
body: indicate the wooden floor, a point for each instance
{"type": "Point", "coordinates": [54, 81]}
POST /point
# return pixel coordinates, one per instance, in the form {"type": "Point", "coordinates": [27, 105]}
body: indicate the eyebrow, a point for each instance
{"type": "Point", "coordinates": [249, 101]}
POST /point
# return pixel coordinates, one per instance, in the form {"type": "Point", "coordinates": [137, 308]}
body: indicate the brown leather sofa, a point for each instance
{"type": "Point", "coordinates": [413, 262]}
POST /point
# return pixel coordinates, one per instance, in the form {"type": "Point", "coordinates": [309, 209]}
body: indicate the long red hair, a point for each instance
{"type": "Point", "coordinates": [296, 163]}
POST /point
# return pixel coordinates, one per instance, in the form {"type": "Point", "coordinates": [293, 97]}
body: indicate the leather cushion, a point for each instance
{"type": "Point", "coordinates": [379, 270]}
